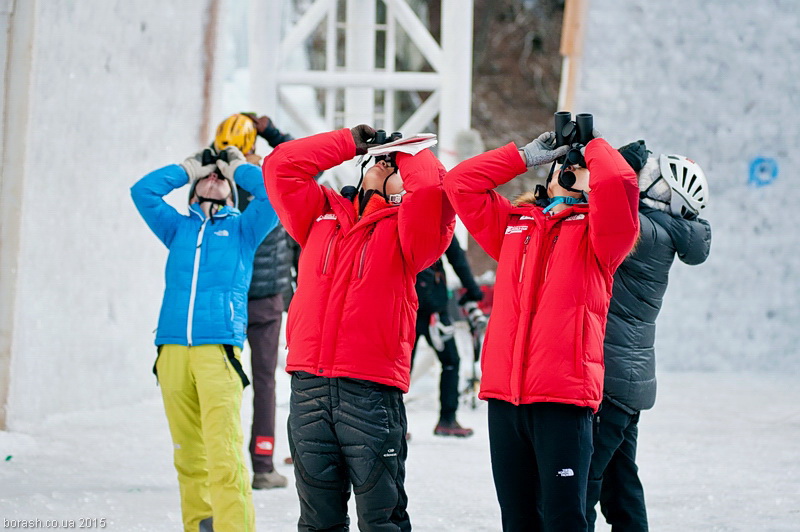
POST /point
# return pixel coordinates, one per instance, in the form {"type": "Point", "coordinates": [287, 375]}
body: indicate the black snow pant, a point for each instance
{"type": "Point", "coordinates": [448, 382]}
{"type": "Point", "coordinates": [540, 462]}
{"type": "Point", "coordinates": [263, 332]}
{"type": "Point", "coordinates": [613, 474]}
{"type": "Point", "coordinates": [345, 432]}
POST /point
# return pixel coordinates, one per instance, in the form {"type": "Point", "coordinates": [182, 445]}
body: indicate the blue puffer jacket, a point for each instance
{"type": "Point", "coordinates": [210, 262]}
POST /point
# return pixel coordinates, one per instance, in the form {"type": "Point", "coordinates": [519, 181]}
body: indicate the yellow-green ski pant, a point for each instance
{"type": "Point", "coordinates": [202, 396]}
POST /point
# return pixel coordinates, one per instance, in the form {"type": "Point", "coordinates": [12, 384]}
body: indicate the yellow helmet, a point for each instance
{"type": "Point", "coordinates": [236, 130]}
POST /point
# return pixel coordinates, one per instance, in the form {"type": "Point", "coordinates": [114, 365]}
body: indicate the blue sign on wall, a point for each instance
{"type": "Point", "coordinates": [763, 171]}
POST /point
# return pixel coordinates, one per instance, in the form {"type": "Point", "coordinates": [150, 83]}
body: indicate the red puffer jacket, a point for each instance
{"type": "Point", "coordinates": [354, 311]}
{"type": "Point", "coordinates": [554, 275]}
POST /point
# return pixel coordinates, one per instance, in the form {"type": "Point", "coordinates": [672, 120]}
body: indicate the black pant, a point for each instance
{"type": "Point", "coordinates": [448, 356]}
{"type": "Point", "coordinates": [540, 462]}
{"type": "Point", "coordinates": [263, 332]}
{"type": "Point", "coordinates": [613, 475]}
{"type": "Point", "coordinates": [343, 432]}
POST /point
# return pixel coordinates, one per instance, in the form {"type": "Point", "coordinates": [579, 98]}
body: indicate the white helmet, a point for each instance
{"type": "Point", "coordinates": [688, 184]}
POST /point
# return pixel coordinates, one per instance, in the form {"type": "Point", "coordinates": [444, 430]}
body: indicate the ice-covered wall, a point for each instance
{"type": "Point", "coordinates": [116, 92]}
{"type": "Point", "coordinates": [716, 81]}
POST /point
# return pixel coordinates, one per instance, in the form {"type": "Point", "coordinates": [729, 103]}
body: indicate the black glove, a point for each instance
{"type": "Point", "coordinates": [266, 129]}
{"type": "Point", "coordinates": [362, 134]}
{"type": "Point", "coordinates": [635, 154]}
{"type": "Point", "coordinates": [470, 296]}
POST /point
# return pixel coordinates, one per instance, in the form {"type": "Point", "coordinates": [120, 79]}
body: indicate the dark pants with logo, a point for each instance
{"type": "Point", "coordinates": [540, 461]}
{"type": "Point", "coordinates": [613, 475]}
{"type": "Point", "coordinates": [343, 433]}
{"type": "Point", "coordinates": [263, 332]}
{"type": "Point", "coordinates": [448, 383]}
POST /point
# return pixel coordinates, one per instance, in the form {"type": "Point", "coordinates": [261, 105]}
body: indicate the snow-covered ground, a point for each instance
{"type": "Point", "coordinates": [719, 452]}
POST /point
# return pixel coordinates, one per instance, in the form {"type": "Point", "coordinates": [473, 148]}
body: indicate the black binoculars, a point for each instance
{"type": "Point", "coordinates": [576, 134]}
{"type": "Point", "coordinates": [381, 138]}
{"type": "Point", "coordinates": [211, 156]}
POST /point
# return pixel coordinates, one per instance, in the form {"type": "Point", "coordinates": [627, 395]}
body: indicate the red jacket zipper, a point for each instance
{"type": "Point", "coordinates": [364, 254]}
{"type": "Point", "coordinates": [328, 252]}
{"type": "Point", "coordinates": [524, 256]}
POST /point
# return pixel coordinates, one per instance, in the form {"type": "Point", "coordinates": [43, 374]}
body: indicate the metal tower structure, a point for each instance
{"type": "Point", "coordinates": [366, 67]}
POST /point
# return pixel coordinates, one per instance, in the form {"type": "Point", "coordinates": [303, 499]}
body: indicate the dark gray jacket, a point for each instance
{"type": "Point", "coordinates": [272, 265]}
{"type": "Point", "coordinates": [639, 286]}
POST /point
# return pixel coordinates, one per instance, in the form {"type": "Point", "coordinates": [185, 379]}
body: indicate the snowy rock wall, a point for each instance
{"type": "Point", "coordinates": [716, 81]}
{"type": "Point", "coordinates": [116, 91]}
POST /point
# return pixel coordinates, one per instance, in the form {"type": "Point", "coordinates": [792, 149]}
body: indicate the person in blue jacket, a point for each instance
{"type": "Point", "coordinates": [201, 328]}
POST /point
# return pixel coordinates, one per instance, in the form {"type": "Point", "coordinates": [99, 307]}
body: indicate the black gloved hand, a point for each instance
{"type": "Point", "coordinates": [635, 154]}
{"type": "Point", "coordinates": [362, 134]}
{"type": "Point", "coordinates": [470, 296]}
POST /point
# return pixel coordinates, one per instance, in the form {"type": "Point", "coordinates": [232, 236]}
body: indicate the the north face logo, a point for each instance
{"type": "Point", "coordinates": [566, 472]}
{"type": "Point", "coordinates": [329, 216]}
{"type": "Point", "coordinates": [265, 445]}
{"type": "Point", "coordinates": [222, 232]}
{"type": "Point", "coordinates": [575, 217]}
{"type": "Point", "coordinates": [511, 229]}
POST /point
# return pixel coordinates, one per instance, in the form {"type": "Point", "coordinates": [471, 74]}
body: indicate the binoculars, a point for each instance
{"type": "Point", "coordinates": [576, 134]}
{"type": "Point", "coordinates": [211, 156]}
{"type": "Point", "coordinates": [381, 138]}
{"type": "Point", "coordinates": [349, 191]}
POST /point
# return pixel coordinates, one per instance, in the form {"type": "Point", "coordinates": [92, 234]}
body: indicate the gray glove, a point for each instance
{"type": "Point", "coordinates": [235, 160]}
{"type": "Point", "coordinates": [543, 150]}
{"type": "Point", "coordinates": [194, 168]}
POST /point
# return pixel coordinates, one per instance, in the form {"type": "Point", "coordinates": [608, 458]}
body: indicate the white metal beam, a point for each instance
{"type": "Point", "coordinates": [304, 27]}
{"type": "Point", "coordinates": [403, 81]}
{"type": "Point", "coordinates": [456, 112]}
{"type": "Point", "coordinates": [359, 100]}
{"type": "Point", "coordinates": [418, 33]}
{"type": "Point", "coordinates": [423, 116]}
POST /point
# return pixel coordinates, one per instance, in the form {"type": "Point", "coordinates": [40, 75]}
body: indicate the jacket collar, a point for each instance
{"type": "Point", "coordinates": [195, 208]}
{"type": "Point", "coordinates": [346, 212]}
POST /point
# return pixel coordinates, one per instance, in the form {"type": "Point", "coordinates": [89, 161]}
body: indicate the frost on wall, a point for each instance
{"type": "Point", "coordinates": [115, 92]}
{"type": "Point", "coordinates": [715, 81]}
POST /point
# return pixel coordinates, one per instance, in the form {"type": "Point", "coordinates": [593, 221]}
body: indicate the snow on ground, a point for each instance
{"type": "Point", "coordinates": [718, 452]}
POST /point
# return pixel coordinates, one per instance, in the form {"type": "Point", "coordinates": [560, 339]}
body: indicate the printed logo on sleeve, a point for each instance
{"type": "Point", "coordinates": [512, 229]}
{"type": "Point", "coordinates": [329, 216]}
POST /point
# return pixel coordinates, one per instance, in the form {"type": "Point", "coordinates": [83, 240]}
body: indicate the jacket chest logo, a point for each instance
{"type": "Point", "coordinates": [329, 216]}
{"type": "Point", "coordinates": [512, 229]}
{"type": "Point", "coordinates": [526, 218]}
{"type": "Point", "coordinates": [575, 217]}
{"type": "Point", "coordinates": [223, 232]}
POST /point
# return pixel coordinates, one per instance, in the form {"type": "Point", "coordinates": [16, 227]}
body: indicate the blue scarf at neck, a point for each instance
{"type": "Point", "coordinates": [567, 200]}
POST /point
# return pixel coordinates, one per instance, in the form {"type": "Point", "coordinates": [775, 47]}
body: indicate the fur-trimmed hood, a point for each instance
{"type": "Point", "coordinates": [526, 197]}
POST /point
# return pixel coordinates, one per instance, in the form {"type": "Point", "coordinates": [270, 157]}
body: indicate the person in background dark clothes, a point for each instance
{"type": "Point", "coordinates": [433, 297]}
{"type": "Point", "coordinates": [669, 227]}
{"type": "Point", "coordinates": [271, 280]}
